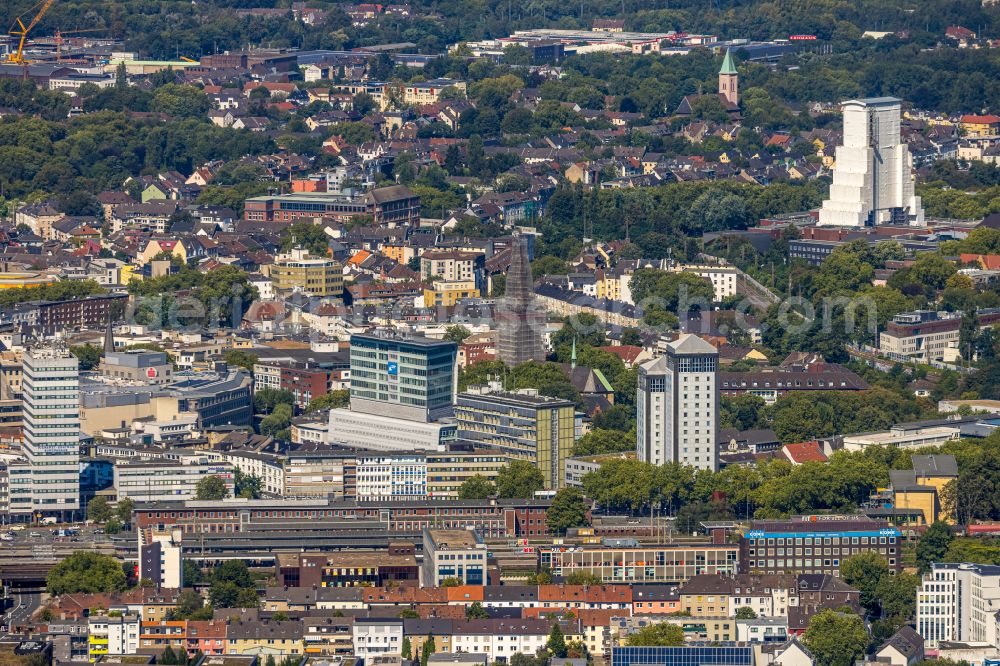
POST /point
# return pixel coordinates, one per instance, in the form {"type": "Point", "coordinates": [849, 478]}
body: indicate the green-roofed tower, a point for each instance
{"type": "Point", "coordinates": [729, 80]}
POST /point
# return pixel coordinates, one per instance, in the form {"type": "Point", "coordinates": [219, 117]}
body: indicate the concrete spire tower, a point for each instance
{"type": "Point", "coordinates": [872, 179]}
{"type": "Point", "coordinates": [519, 324]}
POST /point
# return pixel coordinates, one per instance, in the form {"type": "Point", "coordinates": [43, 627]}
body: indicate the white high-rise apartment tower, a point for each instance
{"type": "Point", "coordinates": [959, 602]}
{"type": "Point", "coordinates": [678, 405]}
{"type": "Point", "coordinates": [51, 388]}
{"type": "Point", "coordinates": [872, 183]}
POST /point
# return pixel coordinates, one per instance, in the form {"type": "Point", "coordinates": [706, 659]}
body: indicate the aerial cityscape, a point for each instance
{"type": "Point", "coordinates": [507, 333]}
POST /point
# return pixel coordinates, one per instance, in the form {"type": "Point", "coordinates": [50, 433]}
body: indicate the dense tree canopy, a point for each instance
{"type": "Point", "coordinates": [85, 571]}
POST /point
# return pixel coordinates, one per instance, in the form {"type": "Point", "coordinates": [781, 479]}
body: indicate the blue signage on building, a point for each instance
{"type": "Point", "coordinates": [392, 367]}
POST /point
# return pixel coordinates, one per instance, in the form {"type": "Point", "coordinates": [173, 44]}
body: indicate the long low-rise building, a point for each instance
{"type": "Point", "coordinates": [491, 517]}
{"type": "Point", "coordinates": [368, 475]}
{"type": "Point", "coordinates": [926, 335]}
{"type": "Point", "coordinates": [574, 303]}
{"type": "Point", "coordinates": [348, 569]}
{"type": "Point", "coordinates": [163, 479]}
{"type": "Point", "coordinates": [906, 436]}
{"type": "Point", "coordinates": [770, 385]}
{"type": "Point", "coordinates": [395, 205]}
{"type": "Point", "coordinates": [634, 563]}
{"type": "Point", "coordinates": [816, 544]}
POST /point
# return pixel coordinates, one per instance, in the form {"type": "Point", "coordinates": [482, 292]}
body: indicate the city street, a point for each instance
{"type": "Point", "coordinates": [20, 613]}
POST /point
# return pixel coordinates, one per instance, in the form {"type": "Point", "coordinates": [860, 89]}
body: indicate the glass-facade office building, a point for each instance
{"type": "Point", "coordinates": [523, 425]}
{"type": "Point", "coordinates": [411, 378]}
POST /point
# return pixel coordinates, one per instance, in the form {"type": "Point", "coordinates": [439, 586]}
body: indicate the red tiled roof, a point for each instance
{"type": "Point", "coordinates": [627, 353]}
{"type": "Point", "coordinates": [805, 452]}
{"type": "Point", "coordinates": [980, 120]}
{"type": "Point", "coordinates": [988, 261]}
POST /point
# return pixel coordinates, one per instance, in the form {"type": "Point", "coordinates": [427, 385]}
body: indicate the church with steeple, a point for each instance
{"type": "Point", "coordinates": [729, 80]}
{"type": "Point", "coordinates": [729, 91]}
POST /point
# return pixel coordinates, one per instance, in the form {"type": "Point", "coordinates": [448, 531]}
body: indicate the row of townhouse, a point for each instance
{"type": "Point", "coordinates": [246, 632]}
{"type": "Point", "coordinates": [367, 622]}
{"type": "Point", "coordinates": [707, 595]}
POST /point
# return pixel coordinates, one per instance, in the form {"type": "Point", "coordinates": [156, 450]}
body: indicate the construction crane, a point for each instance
{"type": "Point", "coordinates": [21, 30]}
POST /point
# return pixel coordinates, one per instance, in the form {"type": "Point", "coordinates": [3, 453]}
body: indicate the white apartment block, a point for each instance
{"type": "Point", "coordinates": [160, 557]}
{"type": "Point", "coordinates": [501, 640]}
{"type": "Point", "coordinates": [377, 636]}
{"type": "Point", "coordinates": [51, 395]}
{"type": "Point", "coordinates": [449, 265]}
{"type": "Point", "coordinates": [162, 480]}
{"type": "Point", "coordinates": [112, 635]}
{"type": "Point", "coordinates": [266, 376]}
{"type": "Point", "coordinates": [723, 278]}
{"type": "Point", "coordinates": [182, 426]}
{"type": "Point", "coordinates": [391, 476]}
{"type": "Point", "coordinates": [269, 470]}
{"type": "Point", "coordinates": [678, 404]}
{"type": "Point", "coordinates": [958, 602]}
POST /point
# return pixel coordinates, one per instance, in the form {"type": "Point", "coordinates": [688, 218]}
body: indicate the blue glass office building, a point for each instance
{"type": "Point", "coordinates": [410, 378]}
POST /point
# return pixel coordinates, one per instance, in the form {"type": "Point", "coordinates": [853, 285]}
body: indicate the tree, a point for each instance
{"type": "Point", "coordinates": [656, 635]}
{"type": "Point", "coordinates": [743, 412]}
{"type": "Point", "coordinates": [457, 333]}
{"type": "Point", "coordinates": [88, 355]}
{"type": "Point", "coordinates": [968, 334]}
{"type": "Point", "coordinates": [211, 488]}
{"type": "Point", "coordinates": [836, 638]}
{"type": "Point", "coordinates": [124, 509]}
{"type": "Point", "coordinates": [234, 571]}
{"type": "Point", "coordinates": [180, 100]}
{"type": "Point", "coordinates": [240, 358]}
{"type": "Point", "coordinates": [865, 571]}
{"type": "Point", "coordinates": [429, 647]}
{"type": "Point", "coordinates": [188, 603]}
{"type": "Point", "coordinates": [229, 595]}
{"type": "Point", "coordinates": [328, 401]}
{"type": "Point", "coordinates": [475, 611]}
{"type": "Point", "coordinates": [113, 526]}
{"type": "Point", "coordinates": [557, 642]}
{"type": "Point", "coordinates": [193, 574]}
{"type": "Point", "coordinates": [543, 577]}
{"type": "Point", "coordinates": [247, 486]}
{"type": "Point", "coordinates": [569, 509]}
{"type": "Point", "coordinates": [582, 578]}
{"type": "Point", "coordinates": [266, 400]}
{"type": "Point", "coordinates": [86, 571]}
{"type": "Point", "coordinates": [600, 440]}
{"type": "Point", "coordinates": [746, 613]}
{"type": "Point", "coordinates": [519, 479]}
{"type": "Point", "coordinates": [99, 510]}
{"type": "Point", "coordinates": [168, 656]}
{"type": "Point", "coordinates": [409, 613]}
{"type": "Point", "coordinates": [619, 417]}
{"type": "Point", "coordinates": [897, 597]}
{"type": "Point", "coordinates": [277, 423]}
{"type": "Point", "coordinates": [933, 545]}
{"type": "Point", "coordinates": [406, 648]}
{"type": "Point", "coordinates": [477, 487]}
{"type": "Point", "coordinates": [451, 581]}
{"type": "Point", "coordinates": [717, 211]}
